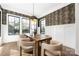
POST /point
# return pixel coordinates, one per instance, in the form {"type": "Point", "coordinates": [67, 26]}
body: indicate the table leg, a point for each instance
{"type": "Point", "coordinates": [34, 50]}
{"type": "Point", "coordinates": [20, 51]}
{"type": "Point", "coordinates": [37, 48]}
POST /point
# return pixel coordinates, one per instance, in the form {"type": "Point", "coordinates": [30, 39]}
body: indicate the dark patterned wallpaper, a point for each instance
{"type": "Point", "coordinates": [4, 16]}
{"type": "Point", "coordinates": [4, 12]}
{"type": "Point", "coordinates": [65, 15]}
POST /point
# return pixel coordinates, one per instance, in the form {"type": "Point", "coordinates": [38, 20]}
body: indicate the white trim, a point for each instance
{"type": "Point", "coordinates": [1, 29]}
{"type": "Point", "coordinates": [10, 38]}
{"type": "Point", "coordinates": [21, 25]}
{"type": "Point", "coordinates": [14, 16]}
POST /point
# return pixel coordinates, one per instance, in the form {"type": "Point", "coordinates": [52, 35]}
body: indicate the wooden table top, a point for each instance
{"type": "Point", "coordinates": [39, 37]}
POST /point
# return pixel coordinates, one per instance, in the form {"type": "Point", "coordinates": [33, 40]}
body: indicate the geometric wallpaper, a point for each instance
{"type": "Point", "coordinates": [65, 15]}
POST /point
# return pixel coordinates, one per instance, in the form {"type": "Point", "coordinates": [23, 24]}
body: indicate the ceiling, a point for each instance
{"type": "Point", "coordinates": [40, 9]}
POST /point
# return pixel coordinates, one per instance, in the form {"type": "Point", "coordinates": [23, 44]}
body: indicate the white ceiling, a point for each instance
{"type": "Point", "coordinates": [40, 9]}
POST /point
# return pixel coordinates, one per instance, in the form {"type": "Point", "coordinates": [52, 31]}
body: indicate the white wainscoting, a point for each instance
{"type": "Point", "coordinates": [65, 34]}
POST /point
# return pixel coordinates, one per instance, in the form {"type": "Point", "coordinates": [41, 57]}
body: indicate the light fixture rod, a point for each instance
{"type": "Point", "coordinates": [33, 9]}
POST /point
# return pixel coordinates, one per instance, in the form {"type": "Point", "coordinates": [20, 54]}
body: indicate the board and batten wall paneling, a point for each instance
{"type": "Point", "coordinates": [4, 12]}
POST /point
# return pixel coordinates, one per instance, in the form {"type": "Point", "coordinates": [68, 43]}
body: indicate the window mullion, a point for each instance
{"type": "Point", "coordinates": [14, 25]}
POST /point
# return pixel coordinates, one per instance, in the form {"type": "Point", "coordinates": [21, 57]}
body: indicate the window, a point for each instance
{"type": "Point", "coordinates": [0, 23]}
{"type": "Point", "coordinates": [13, 25]}
{"type": "Point", "coordinates": [17, 25]}
{"type": "Point", "coordinates": [25, 25]}
{"type": "Point", "coordinates": [33, 26]}
{"type": "Point", "coordinates": [42, 26]}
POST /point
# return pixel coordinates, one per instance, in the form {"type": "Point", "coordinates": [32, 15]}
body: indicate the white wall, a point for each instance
{"type": "Point", "coordinates": [70, 35]}
{"type": "Point", "coordinates": [1, 29]}
{"type": "Point", "coordinates": [8, 38]}
{"type": "Point", "coordinates": [63, 33]}
{"type": "Point", "coordinates": [77, 26]}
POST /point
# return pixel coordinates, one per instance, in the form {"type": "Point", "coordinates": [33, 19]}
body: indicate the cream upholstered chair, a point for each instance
{"type": "Point", "coordinates": [26, 45]}
{"type": "Point", "coordinates": [21, 37]}
{"type": "Point", "coordinates": [51, 50]}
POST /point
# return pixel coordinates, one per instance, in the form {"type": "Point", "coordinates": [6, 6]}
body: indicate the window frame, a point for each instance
{"type": "Point", "coordinates": [22, 23]}
{"type": "Point", "coordinates": [15, 16]}
{"type": "Point", "coordinates": [41, 26]}
{"type": "Point", "coordinates": [1, 24]}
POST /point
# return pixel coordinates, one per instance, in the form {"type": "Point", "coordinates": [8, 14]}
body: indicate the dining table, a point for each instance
{"type": "Point", "coordinates": [39, 39]}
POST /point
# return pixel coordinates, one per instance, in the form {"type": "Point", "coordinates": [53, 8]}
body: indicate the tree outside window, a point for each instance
{"type": "Point", "coordinates": [13, 25]}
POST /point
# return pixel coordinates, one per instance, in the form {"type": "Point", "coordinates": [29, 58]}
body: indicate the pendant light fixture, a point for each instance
{"type": "Point", "coordinates": [33, 17]}
{"type": "Point", "coordinates": [34, 21]}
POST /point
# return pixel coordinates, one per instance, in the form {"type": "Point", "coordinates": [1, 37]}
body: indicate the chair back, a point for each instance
{"type": "Point", "coordinates": [51, 50]}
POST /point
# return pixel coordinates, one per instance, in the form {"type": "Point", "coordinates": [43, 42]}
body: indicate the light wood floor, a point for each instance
{"type": "Point", "coordinates": [11, 49]}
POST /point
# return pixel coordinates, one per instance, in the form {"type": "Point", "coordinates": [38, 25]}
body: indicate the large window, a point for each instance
{"type": "Point", "coordinates": [25, 25]}
{"type": "Point", "coordinates": [33, 26]}
{"type": "Point", "coordinates": [13, 25]}
{"type": "Point", "coordinates": [42, 26]}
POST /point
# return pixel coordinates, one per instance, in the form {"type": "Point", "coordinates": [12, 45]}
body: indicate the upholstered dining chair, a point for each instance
{"type": "Point", "coordinates": [51, 49]}
{"type": "Point", "coordinates": [26, 45]}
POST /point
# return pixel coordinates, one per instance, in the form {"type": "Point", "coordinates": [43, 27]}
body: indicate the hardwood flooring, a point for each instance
{"type": "Point", "coordinates": [11, 49]}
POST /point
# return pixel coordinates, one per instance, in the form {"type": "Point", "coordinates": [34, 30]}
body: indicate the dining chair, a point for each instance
{"type": "Point", "coordinates": [51, 50]}
{"type": "Point", "coordinates": [26, 45]}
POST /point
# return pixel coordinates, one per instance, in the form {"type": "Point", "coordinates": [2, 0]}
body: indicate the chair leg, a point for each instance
{"type": "Point", "coordinates": [20, 51]}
